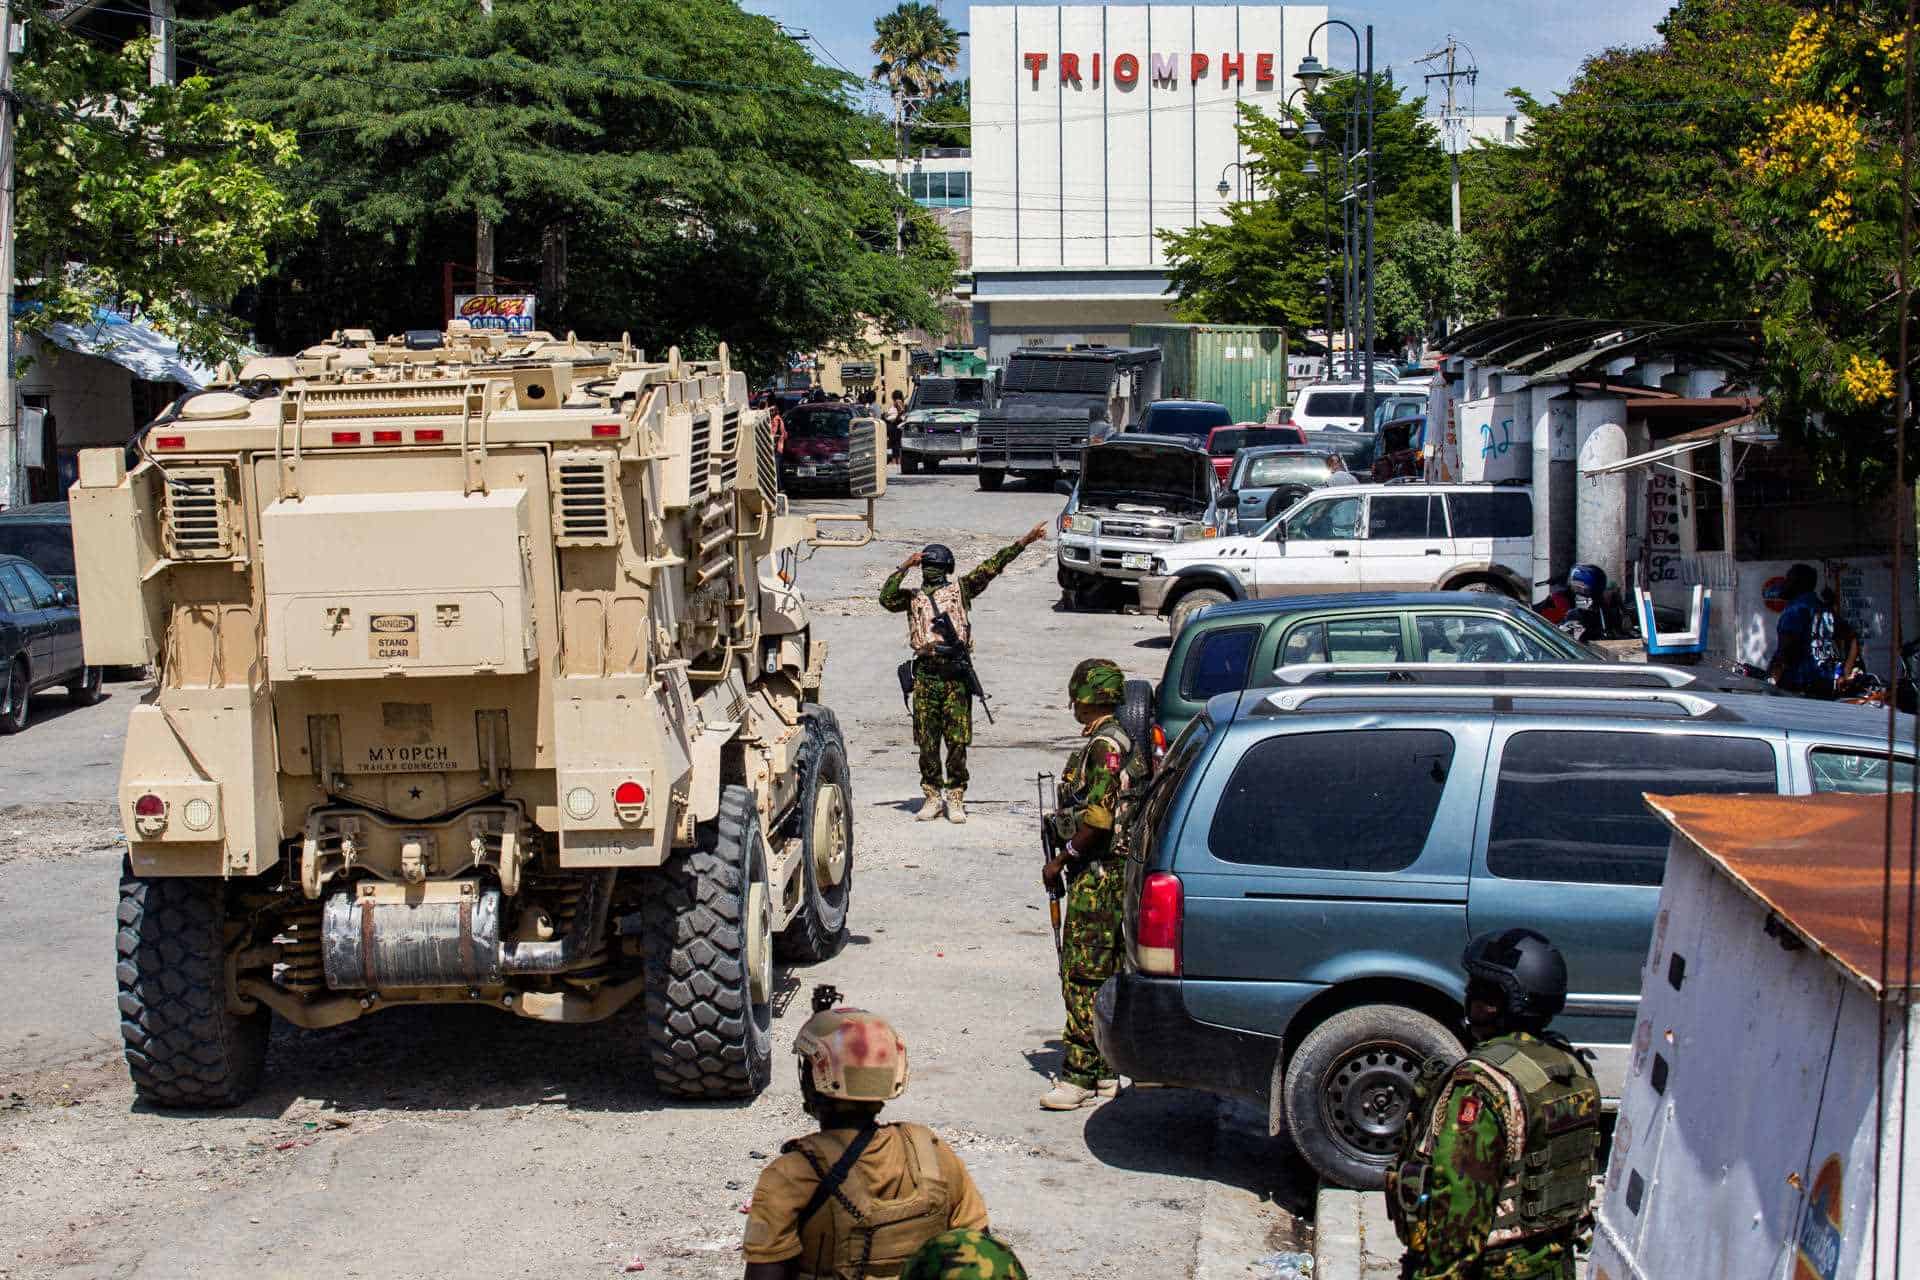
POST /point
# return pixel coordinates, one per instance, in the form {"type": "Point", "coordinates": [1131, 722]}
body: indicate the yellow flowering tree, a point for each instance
{"type": "Point", "coordinates": [1822, 209]}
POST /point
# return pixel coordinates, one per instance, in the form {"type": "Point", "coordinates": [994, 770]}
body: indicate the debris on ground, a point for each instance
{"type": "Point", "coordinates": [1284, 1266]}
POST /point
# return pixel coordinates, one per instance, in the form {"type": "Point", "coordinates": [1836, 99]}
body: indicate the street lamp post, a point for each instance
{"type": "Point", "coordinates": [1310, 75]}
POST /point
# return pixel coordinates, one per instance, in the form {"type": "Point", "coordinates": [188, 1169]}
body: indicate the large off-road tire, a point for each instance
{"type": "Point", "coordinates": [84, 689]}
{"type": "Point", "coordinates": [991, 480]}
{"type": "Point", "coordinates": [909, 464]}
{"type": "Point", "coordinates": [16, 697]}
{"type": "Point", "coordinates": [823, 821]}
{"type": "Point", "coordinates": [1191, 603]}
{"type": "Point", "coordinates": [185, 1047]}
{"type": "Point", "coordinates": [1349, 1085]}
{"type": "Point", "coordinates": [1135, 714]}
{"type": "Point", "coordinates": [709, 960]}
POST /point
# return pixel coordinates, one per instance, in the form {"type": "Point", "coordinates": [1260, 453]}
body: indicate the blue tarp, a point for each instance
{"type": "Point", "coordinates": [134, 345]}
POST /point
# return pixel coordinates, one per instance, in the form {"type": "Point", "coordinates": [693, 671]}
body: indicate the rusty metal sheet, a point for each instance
{"type": "Point", "coordinates": [1819, 863]}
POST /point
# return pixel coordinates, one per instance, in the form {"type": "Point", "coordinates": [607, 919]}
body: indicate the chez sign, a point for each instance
{"type": "Point", "coordinates": [1082, 69]}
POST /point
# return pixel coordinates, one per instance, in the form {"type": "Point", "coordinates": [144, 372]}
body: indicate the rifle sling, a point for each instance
{"type": "Point", "coordinates": [831, 1179]}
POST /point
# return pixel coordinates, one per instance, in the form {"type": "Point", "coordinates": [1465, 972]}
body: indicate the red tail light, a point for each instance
{"type": "Point", "coordinates": [1156, 933]}
{"type": "Point", "coordinates": [169, 442]}
{"type": "Point", "coordinates": [630, 793]}
{"type": "Point", "coordinates": [346, 437]}
{"type": "Point", "coordinates": [429, 435]}
{"type": "Point", "coordinates": [1159, 742]}
{"type": "Point", "coordinates": [149, 806]}
{"type": "Point", "coordinates": [386, 437]}
{"type": "Point", "coordinates": [605, 430]}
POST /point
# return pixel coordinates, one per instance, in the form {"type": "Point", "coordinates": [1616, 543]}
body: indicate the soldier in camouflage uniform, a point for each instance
{"type": "Point", "coordinates": [1493, 1181]}
{"type": "Point", "coordinates": [941, 703]}
{"type": "Point", "coordinates": [964, 1255]}
{"type": "Point", "coordinates": [1095, 793]}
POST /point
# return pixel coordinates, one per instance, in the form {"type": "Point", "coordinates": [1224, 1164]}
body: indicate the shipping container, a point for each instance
{"type": "Point", "coordinates": [1765, 1129]}
{"type": "Point", "coordinates": [1242, 366]}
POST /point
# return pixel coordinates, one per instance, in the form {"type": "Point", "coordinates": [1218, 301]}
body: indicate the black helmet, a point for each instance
{"type": "Point", "coordinates": [1528, 971]}
{"type": "Point", "coordinates": [937, 556]}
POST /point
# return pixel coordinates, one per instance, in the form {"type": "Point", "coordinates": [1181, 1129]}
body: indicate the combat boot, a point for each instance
{"type": "Point", "coordinates": [956, 805]}
{"type": "Point", "coordinates": [1067, 1096]}
{"type": "Point", "coordinates": [1108, 1087]}
{"type": "Point", "coordinates": [930, 807]}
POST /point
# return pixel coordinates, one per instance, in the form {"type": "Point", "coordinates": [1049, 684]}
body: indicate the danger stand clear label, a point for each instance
{"type": "Point", "coordinates": [393, 637]}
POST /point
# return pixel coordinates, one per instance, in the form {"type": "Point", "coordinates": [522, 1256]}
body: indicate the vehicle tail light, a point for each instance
{"type": "Point", "coordinates": [1156, 933]}
{"type": "Point", "coordinates": [1159, 742]}
{"type": "Point", "coordinates": [605, 430]}
{"type": "Point", "coordinates": [429, 435]}
{"type": "Point", "coordinates": [386, 437]}
{"type": "Point", "coordinates": [346, 437]}
{"type": "Point", "coordinates": [149, 806]}
{"type": "Point", "coordinates": [629, 793]}
{"type": "Point", "coordinates": [169, 442]}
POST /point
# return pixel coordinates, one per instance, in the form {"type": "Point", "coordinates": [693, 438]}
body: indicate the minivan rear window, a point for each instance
{"type": "Point", "coordinates": [1568, 805]}
{"type": "Point", "coordinates": [1218, 663]}
{"type": "Point", "coordinates": [1494, 514]}
{"type": "Point", "coordinates": [1353, 800]}
{"type": "Point", "coordinates": [1333, 404]}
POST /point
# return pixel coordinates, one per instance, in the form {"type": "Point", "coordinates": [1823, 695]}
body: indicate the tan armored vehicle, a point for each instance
{"type": "Point", "coordinates": [482, 679]}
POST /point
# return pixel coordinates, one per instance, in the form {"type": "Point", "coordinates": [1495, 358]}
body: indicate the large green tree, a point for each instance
{"type": "Point", "coordinates": [157, 200]}
{"type": "Point", "coordinates": [676, 169]}
{"type": "Point", "coordinates": [1263, 264]}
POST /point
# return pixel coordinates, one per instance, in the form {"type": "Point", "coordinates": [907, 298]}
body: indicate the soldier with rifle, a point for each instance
{"type": "Point", "coordinates": [1085, 844]}
{"type": "Point", "coordinates": [939, 680]}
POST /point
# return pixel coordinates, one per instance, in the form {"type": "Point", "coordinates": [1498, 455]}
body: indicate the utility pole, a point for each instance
{"type": "Point", "coordinates": [9, 414]}
{"type": "Point", "coordinates": [162, 66]}
{"type": "Point", "coordinates": [1452, 122]}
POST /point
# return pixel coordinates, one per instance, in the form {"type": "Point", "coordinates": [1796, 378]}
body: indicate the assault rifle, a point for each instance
{"type": "Point", "coordinates": [950, 649]}
{"type": "Point", "coordinates": [1049, 847]}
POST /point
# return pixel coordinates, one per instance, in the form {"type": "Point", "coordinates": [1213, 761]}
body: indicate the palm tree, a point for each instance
{"type": "Point", "coordinates": [917, 47]}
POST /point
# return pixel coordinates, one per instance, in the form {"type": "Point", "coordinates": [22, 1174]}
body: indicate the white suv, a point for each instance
{"type": "Point", "coordinates": [1386, 537]}
{"type": "Point", "coordinates": [1342, 406]}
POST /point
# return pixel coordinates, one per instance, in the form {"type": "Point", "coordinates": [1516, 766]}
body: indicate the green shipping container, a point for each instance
{"type": "Point", "coordinates": [1242, 366]}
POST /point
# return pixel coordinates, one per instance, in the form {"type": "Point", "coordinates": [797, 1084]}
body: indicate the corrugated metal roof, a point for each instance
{"type": "Point", "coordinates": [1817, 862]}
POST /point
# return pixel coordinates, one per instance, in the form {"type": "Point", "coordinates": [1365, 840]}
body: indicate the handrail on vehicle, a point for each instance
{"type": "Point", "coordinates": [1300, 673]}
{"type": "Point", "coordinates": [1694, 705]}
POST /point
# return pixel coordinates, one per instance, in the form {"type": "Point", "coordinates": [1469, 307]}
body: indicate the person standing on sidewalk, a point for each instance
{"type": "Point", "coordinates": [1494, 1176]}
{"type": "Point", "coordinates": [941, 702]}
{"type": "Point", "coordinates": [1095, 790]}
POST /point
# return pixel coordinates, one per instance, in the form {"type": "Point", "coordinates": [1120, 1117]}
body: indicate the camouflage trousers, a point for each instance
{"type": "Point", "coordinates": [942, 715]}
{"type": "Point", "coordinates": [1089, 955]}
{"type": "Point", "coordinates": [1553, 1260]}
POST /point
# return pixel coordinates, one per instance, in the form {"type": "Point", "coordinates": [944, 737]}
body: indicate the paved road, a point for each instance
{"type": "Point", "coordinates": [459, 1142]}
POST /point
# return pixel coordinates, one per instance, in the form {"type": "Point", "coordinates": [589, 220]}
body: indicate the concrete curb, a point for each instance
{"type": "Point", "coordinates": [1353, 1237]}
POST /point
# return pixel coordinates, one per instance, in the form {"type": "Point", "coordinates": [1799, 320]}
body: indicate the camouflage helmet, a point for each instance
{"type": "Point", "coordinates": [964, 1255]}
{"type": "Point", "coordinates": [1097, 682]}
{"type": "Point", "coordinates": [853, 1056]}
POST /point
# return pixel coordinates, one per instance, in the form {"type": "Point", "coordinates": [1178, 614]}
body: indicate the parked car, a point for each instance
{"type": "Point", "coordinates": [1459, 537]}
{"type": "Point", "coordinates": [43, 533]}
{"type": "Point", "coordinates": [1343, 405]}
{"type": "Point", "coordinates": [1136, 496]}
{"type": "Point", "coordinates": [39, 643]}
{"type": "Point", "coordinates": [1225, 443]}
{"type": "Point", "coordinates": [1240, 644]}
{"type": "Point", "coordinates": [1399, 449]}
{"type": "Point", "coordinates": [814, 457]}
{"type": "Point", "coordinates": [1266, 480]}
{"type": "Point", "coordinates": [1399, 405]}
{"type": "Point", "coordinates": [1183, 418]}
{"type": "Point", "coordinates": [1299, 945]}
{"type": "Point", "coordinates": [1356, 448]}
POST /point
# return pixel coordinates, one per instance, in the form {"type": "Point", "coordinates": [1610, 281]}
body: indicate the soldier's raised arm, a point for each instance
{"type": "Point", "coordinates": [976, 580]}
{"type": "Point", "coordinates": [894, 597]}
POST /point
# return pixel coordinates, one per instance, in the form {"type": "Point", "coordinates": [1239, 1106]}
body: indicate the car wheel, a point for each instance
{"type": "Point", "coordinates": [1348, 1089]}
{"type": "Point", "coordinates": [85, 689]}
{"type": "Point", "coordinates": [16, 698]}
{"type": "Point", "coordinates": [909, 465]}
{"type": "Point", "coordinates": [1191, 603]}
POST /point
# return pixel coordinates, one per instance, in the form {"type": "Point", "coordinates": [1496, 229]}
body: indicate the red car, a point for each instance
{"type": "Point", "coordinates": [1224, 442]}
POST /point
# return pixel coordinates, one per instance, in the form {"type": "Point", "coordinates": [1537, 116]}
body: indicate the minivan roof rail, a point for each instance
{"type": "Point", "coordinates": [1696, 706]}
{"type": "Point", "coordinates": [1520, 673]}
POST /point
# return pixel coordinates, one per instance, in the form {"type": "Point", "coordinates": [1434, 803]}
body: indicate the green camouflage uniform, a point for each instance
{"type": "Point", "coordinates": [942, 706]}
{"type": "Point", "coordinates": [1446, 1232]}
{"type": "Point", "coordinates": [1095, 787]}
{"type": "Point", "coordinates": [964, 1255]}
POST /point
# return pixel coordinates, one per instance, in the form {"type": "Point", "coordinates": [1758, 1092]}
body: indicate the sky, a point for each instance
{"type": "Point", "coordinates": [1535, 44]}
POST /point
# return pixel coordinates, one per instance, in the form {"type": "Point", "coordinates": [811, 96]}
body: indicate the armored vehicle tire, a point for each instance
{"type": "Point", "coordinates": [991, 480]}
{"type": "Point", "coordinates": [1191, 603]}
{"type": "Point", "coordinates": [909, 464]}
{"type": "Point", "coordinates": [1348, 1088]}
{"type": "Point", "coordinates": [85, 689]}
{"type": "Point", "coordinates": [823, 821]}
{"type": "Point", "coordinates": [16, 697]}
{"type": "Point", "coordinates": [185, 1047]}
{"type": "Point", "coordinates": [709, 960]}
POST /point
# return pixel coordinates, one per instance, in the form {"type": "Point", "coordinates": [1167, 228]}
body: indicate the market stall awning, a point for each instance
{"type": "Point", "coordinates": [132, 344]}
{"type": "Point", "coordinates": [1748, 428]}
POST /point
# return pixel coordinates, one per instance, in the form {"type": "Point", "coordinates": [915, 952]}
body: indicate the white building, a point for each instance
{"type": "Point", "coordinates": [1096, 126]}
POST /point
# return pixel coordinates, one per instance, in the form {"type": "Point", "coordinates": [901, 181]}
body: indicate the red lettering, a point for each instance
{"type": "Point", "coordinates": [1036, 62]}
{"type": "Point", "coordinates": [1126, 69]}
{"type": "Point", "coordinates": [1233, 65]}
{"type": "Point", "coordinates": [1196, 67]}
{"type": "Point", "coordinates": [1263, 68]}
{"type": "Point", "coordinates": [1096, 68]}
{"type": "Point", "coordinates": [1070, 68]}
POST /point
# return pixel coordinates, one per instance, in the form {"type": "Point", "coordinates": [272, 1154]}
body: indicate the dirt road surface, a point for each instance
{"type": "Point", "coordinates": [435, 1143]}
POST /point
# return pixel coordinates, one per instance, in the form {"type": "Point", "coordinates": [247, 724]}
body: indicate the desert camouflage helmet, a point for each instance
{"type": "Point", "coordinates": [853, 1056]}
{"type": "Point", "coordinates": [964, 1255]}
{"type": "Point", "coordinates": [1097, 682]}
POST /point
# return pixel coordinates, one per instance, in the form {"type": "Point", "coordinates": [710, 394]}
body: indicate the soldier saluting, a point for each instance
{"type": "Point", "coordinates": [1094, 790]}
{"type": "Point", "coordinates": [1495, 1166]}
{"type": "Point", "coordinates": [942, 699]}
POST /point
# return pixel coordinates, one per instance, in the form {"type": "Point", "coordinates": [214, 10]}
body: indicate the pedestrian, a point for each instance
{"type": "Point", "coordinates": [858, 1198]}
{"type": "Point", "coordinates": [1095, 790]}
{"type": "Point", "coordinates": [964, 1255]}
{"type": "Point", "coordinates": [895, 417]}
{"type": "Point", "coordinates": [941, 700]}
{"type": "Point", "coordinates": [1493, 1176]}
{"type": "Point", "coordinates": [1806, 656]}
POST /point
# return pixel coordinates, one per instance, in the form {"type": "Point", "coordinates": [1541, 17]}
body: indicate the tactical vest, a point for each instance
{"type": "Point", "coordinates": [1548, 1165]}
{"type": "Point", "coordinates": [925, 606]}
{"type": "Point", "coordinates": [1073, 782]}
{"type": "Point", "coordinates": [870, 1237]}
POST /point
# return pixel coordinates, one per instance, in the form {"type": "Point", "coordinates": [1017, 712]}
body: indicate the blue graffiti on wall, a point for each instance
{"type": "Point", "coordinates": [1497, 448]}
